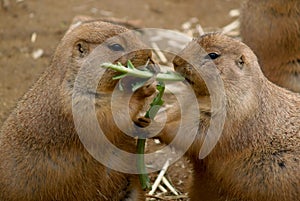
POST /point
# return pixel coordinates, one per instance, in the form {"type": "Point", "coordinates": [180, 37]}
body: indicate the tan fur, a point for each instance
{"type": "Point", "coordinates": [271, 28]}
{"type": "Point", "coordinates": [41, 155]}
{"type": "Point", "coordinates": [257, 156]}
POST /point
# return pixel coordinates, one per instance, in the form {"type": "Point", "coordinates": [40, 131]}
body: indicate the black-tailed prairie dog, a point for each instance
{"type": "Point", "coordinates": [257, 157]}
{"type": "Point", "coordinates": [271, 28]}
{"type": "Point", "coordinates": [41, 155]}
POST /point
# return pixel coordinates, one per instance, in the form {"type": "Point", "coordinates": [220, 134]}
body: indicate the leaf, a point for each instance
{"type": "Point", "coordinates": [117, 77]}
{"type": "Point", "coordinates": [130, 65]}
{"type": "Point", "coordinates": [137, 85]}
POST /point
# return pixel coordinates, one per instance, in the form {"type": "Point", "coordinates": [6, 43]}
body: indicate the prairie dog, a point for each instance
{"type": "Point", "coordinates": [271, 29]}
{"type": "Point", "coordinates": [42, 157]}
{"type": "Point", "coordinates": [257, 155]}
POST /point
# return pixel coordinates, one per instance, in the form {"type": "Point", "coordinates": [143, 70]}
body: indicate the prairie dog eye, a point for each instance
{"type": "Point", "coordinates": [212, 55]}
{"type": "Point", "coordinates": [116, 47]}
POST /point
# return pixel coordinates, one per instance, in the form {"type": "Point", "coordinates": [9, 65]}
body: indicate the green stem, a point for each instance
{"type": "Point", "coordinates": [151, 113]}
{"type": "Point", "coordinates": [169, 76]}
{"type": "Point", "coordinates": [144, 178]}
{"type": "Point", "coordinates": [157, 102]}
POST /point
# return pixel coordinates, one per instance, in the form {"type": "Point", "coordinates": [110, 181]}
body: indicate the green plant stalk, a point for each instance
{"type": "Point", "coordinates": [134, 72]}
{"type": "Point", "coordinates": [144, 178]}
{"type": "Point", "coordinates": [154, 107]}
{"type": "Point", "coordinates": [157, 102]}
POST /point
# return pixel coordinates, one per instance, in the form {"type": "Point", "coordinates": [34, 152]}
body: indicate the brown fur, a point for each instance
{"type": "Point", "coordinates": [257, 156]}
{"type": "Point", "coordinates": [271, 28]}
{"type": "Point", "coordinates": [41, 155]}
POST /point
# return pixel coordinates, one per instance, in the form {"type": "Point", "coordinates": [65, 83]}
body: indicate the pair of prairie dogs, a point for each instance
{"type": "Point", "coordinates": [257, 157]}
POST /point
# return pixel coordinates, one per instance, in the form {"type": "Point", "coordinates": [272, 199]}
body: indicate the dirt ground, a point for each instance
{"type": "Point", "coordinates": [49, 19]}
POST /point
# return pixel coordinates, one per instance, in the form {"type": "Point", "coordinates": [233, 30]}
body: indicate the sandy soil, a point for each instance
{"type": "Point", "coordinates": [49, 19]}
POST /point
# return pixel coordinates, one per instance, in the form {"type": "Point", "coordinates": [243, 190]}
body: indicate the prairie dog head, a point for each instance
{"type": "Point", "coordinates": [87, 44]}
{"type": "Point", "coordinates": [215, 56]}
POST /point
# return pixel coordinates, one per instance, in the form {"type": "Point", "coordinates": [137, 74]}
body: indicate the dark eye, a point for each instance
{"type": "Point", "coordinates": [212, 56]}
{"type": "Point", "coordinates": [116, 47]}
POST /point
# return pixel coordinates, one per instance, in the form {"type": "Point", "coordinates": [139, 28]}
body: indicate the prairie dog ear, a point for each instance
{"type": "Point", "coordinates": [77, 20]}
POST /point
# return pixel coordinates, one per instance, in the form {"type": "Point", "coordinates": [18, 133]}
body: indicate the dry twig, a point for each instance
{"type": "Point", "coordinates": [176, 197]}
{"type": "Point", "coordinates": [159, 177]}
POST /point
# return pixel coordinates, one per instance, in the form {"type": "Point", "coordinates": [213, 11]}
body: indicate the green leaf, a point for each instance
{"type": "Point", "coordinates": [137, 85]}
{"type": "Point", "coordinates": [117, 77]}
{"type": "Point", "coordinates": [130, 65]}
